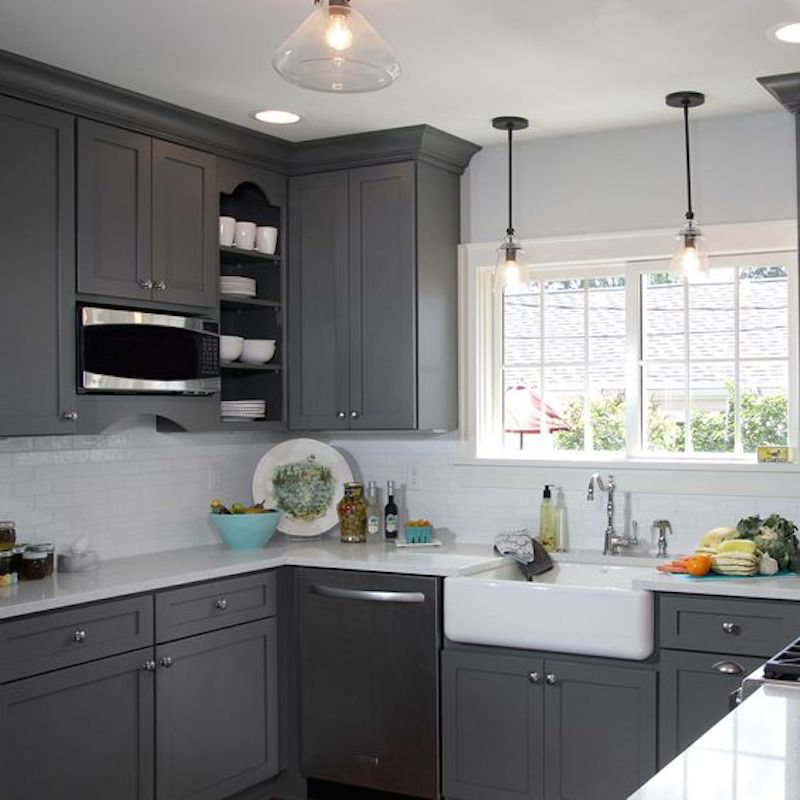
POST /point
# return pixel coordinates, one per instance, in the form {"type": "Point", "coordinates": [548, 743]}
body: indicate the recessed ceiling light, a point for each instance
{"type": "Point", "coordinates": [788, 33]}
{"type": "Point", "coordinates": [277, 117]}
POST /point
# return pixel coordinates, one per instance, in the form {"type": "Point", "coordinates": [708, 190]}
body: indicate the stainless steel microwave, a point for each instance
{"type": "Point", "coordinates": [142, 352]}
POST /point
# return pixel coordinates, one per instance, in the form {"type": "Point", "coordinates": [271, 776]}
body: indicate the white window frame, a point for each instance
{"type": "Point", "coordinates": [631, 254]}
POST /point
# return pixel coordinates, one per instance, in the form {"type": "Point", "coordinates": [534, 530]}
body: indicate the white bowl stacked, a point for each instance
{"type": "Point", "coordinates": [243, 410]}
{"type": "Point", "coordinates": [231, 284]}
{"type": "Point", "coordinates": [257, 351]}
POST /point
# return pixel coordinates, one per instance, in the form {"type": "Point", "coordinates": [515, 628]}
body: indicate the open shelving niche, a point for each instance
{"type": "Point", "coordinates": [259, 317]}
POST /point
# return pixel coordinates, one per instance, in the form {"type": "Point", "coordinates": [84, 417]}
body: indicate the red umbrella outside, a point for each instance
{"type": "Point", "coordinates": [525, 412]}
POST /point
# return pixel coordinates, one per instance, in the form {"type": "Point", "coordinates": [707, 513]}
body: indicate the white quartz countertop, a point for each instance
{"type": "Point", "coordinates": [779, 587]}
{"type": "Point", "coordinates": [751, 754]}
{"type": "Point", "coordinates": [146, 573]}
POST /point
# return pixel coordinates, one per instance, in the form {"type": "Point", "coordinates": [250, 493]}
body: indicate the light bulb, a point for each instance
{"type": "Point", "coordinates": [691, 257]}
{"type": "Point", "coordinates": [508, 268]}
{"type": "Point", "coordinates": [511, 276]}
{"type": "Point", "coordinates": [338, 35]}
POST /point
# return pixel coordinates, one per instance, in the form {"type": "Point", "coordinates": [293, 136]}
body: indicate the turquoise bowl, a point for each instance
{"type": "Point", "coordinates": [246, 531]}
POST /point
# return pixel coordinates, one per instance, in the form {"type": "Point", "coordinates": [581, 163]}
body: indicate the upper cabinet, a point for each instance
{"type": "Point", "coordinates": [373, 298]}
{"type": "Point", "coordinates": [37, 360]}
{"type": "Point", "coordinates": [146, 218]}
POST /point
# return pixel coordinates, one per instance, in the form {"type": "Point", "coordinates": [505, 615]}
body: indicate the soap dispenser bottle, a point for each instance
{"type": "Point", "coordinates": [548, 529]}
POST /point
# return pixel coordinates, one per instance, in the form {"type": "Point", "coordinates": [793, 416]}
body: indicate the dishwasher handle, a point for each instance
{"type": "Point", "coordinates": [369, 595]}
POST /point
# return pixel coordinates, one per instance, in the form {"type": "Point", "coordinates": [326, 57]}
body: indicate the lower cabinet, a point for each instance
{"type": "Point", "coordinates": [519, 727]}
{"type": "Point", "coordinates": [695, 693]}
{"type": "Point", "coordinates": [216, 712]}
{"type": "Point", "coordinates": [80, 733]}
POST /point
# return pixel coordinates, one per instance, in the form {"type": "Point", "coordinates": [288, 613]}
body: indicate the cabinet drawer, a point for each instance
{"type": "Point", "coordinates": [727, 624]}
{"type": "Point", "coordinates": [213, 605]}
{"type": "Point", "coordinates": [59, 639]}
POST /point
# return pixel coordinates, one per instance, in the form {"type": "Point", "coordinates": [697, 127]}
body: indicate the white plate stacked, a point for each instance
{"type": "Point", "coordinates": [243, 410]}
{"type": "Point", "coordinates": [231, 284]}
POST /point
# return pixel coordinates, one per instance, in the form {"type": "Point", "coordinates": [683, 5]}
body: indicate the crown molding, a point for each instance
{"type": "Point", "coordinates": [785, 89]}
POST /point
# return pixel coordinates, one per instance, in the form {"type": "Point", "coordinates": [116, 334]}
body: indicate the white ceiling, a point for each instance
{"type": "Point", "coordinates": [570, 65]}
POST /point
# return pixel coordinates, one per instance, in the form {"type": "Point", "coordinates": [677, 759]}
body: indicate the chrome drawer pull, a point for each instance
{"type": "Point", "coordinates": [534, 677]}
{"type": "Point", "coordinates": [166, 662]}
{"type": "Point", "coordinates": [221, 604]}
{"type": "Point", "coordinates": [729, 627]}
{"type": "Point", "coordinates": [728, 668]}
{"type": "Point", "coordinates": [79, 637]}
{"type": "Point", "coordinates": [370, 595]}
{"type": "Point", "coordinates": [149, 666]}
{"type": "Point", "coordinates": [551, 679]}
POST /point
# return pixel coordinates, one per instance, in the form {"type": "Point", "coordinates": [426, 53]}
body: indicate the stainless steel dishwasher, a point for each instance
{"type": "Point", "coordinates": [369, 665]}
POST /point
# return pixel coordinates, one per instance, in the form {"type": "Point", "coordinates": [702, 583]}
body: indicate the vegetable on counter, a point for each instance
{"type": "Point", "coordinates": [218, 507]}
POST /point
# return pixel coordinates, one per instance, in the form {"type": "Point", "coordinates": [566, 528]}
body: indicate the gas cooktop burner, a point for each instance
{"type": "Point", "coordinates": [785, 666]}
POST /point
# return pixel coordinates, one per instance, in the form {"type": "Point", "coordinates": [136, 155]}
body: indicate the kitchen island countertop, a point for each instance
{"type": "Point", "coordinates": [751, 754]}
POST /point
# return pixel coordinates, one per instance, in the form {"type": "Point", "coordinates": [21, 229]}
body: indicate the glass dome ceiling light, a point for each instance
{"type": "Point", "coordinates": [336, 50]}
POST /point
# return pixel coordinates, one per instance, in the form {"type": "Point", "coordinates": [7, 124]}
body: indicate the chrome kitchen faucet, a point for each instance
{"type": "Point", "coordinates": [611, 542]}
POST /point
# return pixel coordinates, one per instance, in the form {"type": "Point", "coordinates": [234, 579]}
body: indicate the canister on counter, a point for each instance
{"type": "Point", "coordinates": [8, 535]}
{"type": "Point", "coordinates": [50, 549]}
{"type": "Point", "coordinates": [34, 565]}
{"type": "Point", "coordinates": [7, 574]}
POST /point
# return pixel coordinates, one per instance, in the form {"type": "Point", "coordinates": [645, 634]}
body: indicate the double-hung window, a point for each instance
{"type": "Point", "coordinates": [626, 360]}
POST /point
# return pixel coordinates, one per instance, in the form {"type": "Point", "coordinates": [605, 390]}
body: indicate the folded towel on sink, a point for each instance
{"type": "Point", "coordinates": [529, 554]}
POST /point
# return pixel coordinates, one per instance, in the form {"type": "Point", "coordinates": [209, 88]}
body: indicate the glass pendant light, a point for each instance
{"type": "Point", "coordinates": [509, 269]}
{"type": "Point", "coordinates": [691, 256]}
{"type": "Point", "coordinates": [336, 50]}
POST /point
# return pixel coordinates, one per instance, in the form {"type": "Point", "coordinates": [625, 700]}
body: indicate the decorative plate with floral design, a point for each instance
{"type": "Point", "coordinates": [305, 479]}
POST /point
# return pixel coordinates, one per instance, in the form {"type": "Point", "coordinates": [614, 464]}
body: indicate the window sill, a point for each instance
{"type": "Point", "coordinates": [653, 476]}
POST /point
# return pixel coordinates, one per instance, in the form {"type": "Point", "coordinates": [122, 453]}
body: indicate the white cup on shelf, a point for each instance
{"type": "Point", "coordinates": [245, 235]}
{"type": "Point", "coordinates": [227, 228]}
{"type": "Point", "coordinates": [266, 239]}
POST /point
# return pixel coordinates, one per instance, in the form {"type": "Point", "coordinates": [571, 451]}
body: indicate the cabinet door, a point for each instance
{"type": "Point", "coordinates": [694, 694]}
{"type": "Point", "coordinates": [492, 727]}
{"type": "Point", "coordinates": [185, 239]}
{"type": "Point", "coordinates": [383, 285]}
{"type": "Point", "coordinates": [79, 733]}
{"type": "Point", "coordinates": [37, 250]}
{"type": "Point", "coordinates": [319, 310]}
{"type": "Point", "coordinates": [113, 211]}
{"type": "Point", "coordinates": [600, 730]}
{"type": "Point", "coordinates": [217, 707]}
{"type": "Point", "coordinates": [368, 680]}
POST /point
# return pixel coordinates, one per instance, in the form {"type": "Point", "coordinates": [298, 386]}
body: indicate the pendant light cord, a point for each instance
{"type": "Point", "coordinates": [510, 228]}
{"type": "Point", "coordinates": [690, 210]}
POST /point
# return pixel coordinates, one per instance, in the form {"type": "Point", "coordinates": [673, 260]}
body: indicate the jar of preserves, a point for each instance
{"type": "Point", "coordinates": [353, 514]}
{"type": "Point", "coordinates": [16, 559]}
{"type": "Point", "coordinates": [8, 535]}
{"type": "Point", "coordinates": [34, 565]}
{"type": "Point", "coordinates": [7, 574]}
{"type": "Point", "coordinates": [50, 550]}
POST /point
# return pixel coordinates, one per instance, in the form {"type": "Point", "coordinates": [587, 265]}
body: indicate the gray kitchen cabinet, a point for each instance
{"type": "Point", "coordinates": [373, 298]}
{"type": "Point", "coordinates": [492, 726]}
{"type": "Point", "coordinates": [694, 694]}
{"type": "Point", "coordinates": [185, 237]}
{"type": "Point", "coordinates": [216, 712]}
{"type": "Point", "coordinates": [114, 219]}
{"type": "Point", "coordinates": [368, 675]}
{"type": "Point", "coordinates": [534, 727]}
{"type": "Point", "coordinates": [147, 214]}
{"type": "Point", "coordinates": [600, 730]}
{"type": "Point", "coordinates": [318, 291]}
{"type": "Point", "coordinates": [80, 733]}
{"type": "Point", "coordinates": [37, 247]}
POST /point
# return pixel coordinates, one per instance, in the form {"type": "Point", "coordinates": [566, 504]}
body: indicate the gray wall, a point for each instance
{"type": "Point", "coordinates": [633, 179]}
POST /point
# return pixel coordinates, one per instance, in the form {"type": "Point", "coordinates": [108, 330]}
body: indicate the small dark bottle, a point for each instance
{"type": "Point", "coordinates": [391, 518]}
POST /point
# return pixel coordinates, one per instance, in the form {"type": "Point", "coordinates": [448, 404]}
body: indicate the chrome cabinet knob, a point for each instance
{"type": "Point", "coordinates": [221, 604]}
{"type": "Point", "coordinates": [354, 415]}
{"type": "Point", "coordinates": [149, 666]}
{"type": "Point", "coordinates": [729, 627]}
{"type": "Point", "coordinates": [146, 284]}
{"type": "Point", "coordinates": [340, 414]}
{"type": "Point", "coordinates": [534, 677]}
{"type": "Point", "coordinates": [551, 679]}
{"type": "Point", "coordinates": [79, 637]}
{"type": "Point", "coordinates": [70, 416]}
{"type": "Point", "coordinates": [159, 286]}
{"type": "Point", "coordinates": [166, 662]}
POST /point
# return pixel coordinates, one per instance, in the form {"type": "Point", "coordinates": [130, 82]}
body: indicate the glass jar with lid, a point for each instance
{"type": "Point", "coordinates": [8, 535]}
{"type": "Point", "coordinates": [353, 514]}
{"type": "Point", "coordinates": [34, 565]}
{"type": "Point", "coordinates": [7, 574]}
{"type": "Point", "coordinates": [50, 550]}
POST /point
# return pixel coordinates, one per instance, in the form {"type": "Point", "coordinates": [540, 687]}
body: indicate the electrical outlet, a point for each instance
{"type": "Point", "coordinates": [215, 481]}
{"type": "Point", "coordinates": [412, 477]}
